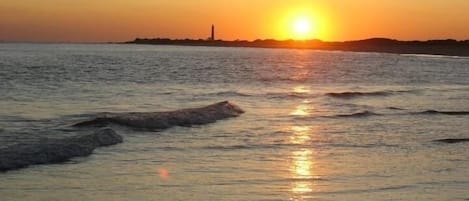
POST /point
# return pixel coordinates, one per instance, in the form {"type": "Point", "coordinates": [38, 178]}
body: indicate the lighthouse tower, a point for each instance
{"type": "Point", "coordinates": [212, 37]}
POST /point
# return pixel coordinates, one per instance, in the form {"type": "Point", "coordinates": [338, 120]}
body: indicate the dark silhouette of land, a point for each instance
{"type": "Point", "coordinates": [448, 47]}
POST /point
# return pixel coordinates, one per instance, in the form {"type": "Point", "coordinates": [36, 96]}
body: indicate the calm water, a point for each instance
{"type": "Point", "coordinates": [318, 125]}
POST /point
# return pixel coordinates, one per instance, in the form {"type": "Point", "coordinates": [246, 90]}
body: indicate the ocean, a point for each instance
{"type": "Point", "coordinates": [318, 125]}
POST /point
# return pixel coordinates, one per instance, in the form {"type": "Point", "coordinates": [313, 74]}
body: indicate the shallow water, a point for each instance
{"type": "Point", "coordinates": [318, 125]}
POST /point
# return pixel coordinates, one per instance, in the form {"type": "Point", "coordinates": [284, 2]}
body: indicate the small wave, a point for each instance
{"type": "Point", "coordinates": [250, 146]}
{"type": "Point", "coordinates": [370, 190]}
{"type": "Point", "coordinates": [355, 94]}
{"type": "Point", "coordinates": [452, 140]}
{"type": "Point", "coordinates": [394, 108]}
{"type": "Point", "coordinates": [363, 145]}
{"type": "Point", "coordinates": [280, 79]}
{"type": "Point", "coordinates": [287, 95]}
{"type": "Point", "coordinates": [436, 112]}
{"type": "Point", "coordinates": [365, 113]}
{"type": "Point", "coordinates": [168, 148]}
{"type": "Point", "coordinates": [232, 147]}
{"type": "Point", "coordinates": [268, 181]}
{"type": "Point", "coordinates": [228, 93]}
{"type": "Point", "coordinates": [435, 56]}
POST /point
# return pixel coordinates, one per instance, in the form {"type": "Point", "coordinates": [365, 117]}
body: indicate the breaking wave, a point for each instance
{"type": "Point", "coordinates": [55, 150]}
{"type": "Point", "coordinates": [163, 120]}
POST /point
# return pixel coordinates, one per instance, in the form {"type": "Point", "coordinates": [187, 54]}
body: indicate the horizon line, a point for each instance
{"type": "Point", "coordinates": [235, 40]}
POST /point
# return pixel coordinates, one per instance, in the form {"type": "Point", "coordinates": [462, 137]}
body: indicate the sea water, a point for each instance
{"type": "Point", "coordinates": [319, 125]}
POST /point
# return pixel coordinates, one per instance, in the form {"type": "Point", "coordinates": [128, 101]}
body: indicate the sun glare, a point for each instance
{"type": "Point", "coordinates": [302, 27]}
{"type": "Point", "coordinates": [302, 23]}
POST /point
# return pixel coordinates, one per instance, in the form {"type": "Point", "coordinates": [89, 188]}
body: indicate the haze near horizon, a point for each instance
{"type": "Point", "coordinates": [123, 20]}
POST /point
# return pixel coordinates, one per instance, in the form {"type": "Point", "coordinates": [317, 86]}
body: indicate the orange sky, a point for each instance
{"type": "Point", "coordinates": [334, 20]}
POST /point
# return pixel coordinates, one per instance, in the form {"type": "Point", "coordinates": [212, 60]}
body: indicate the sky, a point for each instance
{"type": "Point", "coordinates": [330, 20]}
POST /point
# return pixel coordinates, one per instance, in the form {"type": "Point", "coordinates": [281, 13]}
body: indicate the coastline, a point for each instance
{"type": "Point", "coordinates": [447, 47]}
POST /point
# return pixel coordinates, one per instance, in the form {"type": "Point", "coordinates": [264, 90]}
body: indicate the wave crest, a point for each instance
{"type": "Point", "coordinates": [452, 140]}
{"type": "Point", "coordinates": [163, 120]}
{"type": "Point", "coordinates": [362, 114]}
{"type": "Point", "coordinates": [436, 112]}
{"type": "Point", "coordinates": [228, 93]}
{"type": "Point", "coordinates": [355, 94]}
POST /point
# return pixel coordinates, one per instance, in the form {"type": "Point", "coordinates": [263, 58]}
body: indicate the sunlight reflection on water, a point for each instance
{"type": "Point", "coordinates": [301, 170]}
{"type": "Point", "coordinates": [301, 89]}
{"type": "Point", "coordinates": [302, 165]}
{"type": "Point", "coordinates": [301, 110]}
{"type": "Point", "coordinates": [301, 134]}
{"type": "Point", "coordinates": [305, 108]}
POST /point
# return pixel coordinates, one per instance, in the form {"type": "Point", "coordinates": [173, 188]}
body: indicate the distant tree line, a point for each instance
{"type": "Point", "coordinates": [436, 47]}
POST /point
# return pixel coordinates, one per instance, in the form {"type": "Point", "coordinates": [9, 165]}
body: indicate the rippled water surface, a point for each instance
{"type": "Point", "coordinates": [318, 125]}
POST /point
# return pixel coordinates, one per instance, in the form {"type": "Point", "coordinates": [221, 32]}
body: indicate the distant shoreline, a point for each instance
{"type": "Point", "coordinates": [447, 47]}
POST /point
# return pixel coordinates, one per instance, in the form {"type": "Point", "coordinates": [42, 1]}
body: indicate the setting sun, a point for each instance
{"type": "Point", "coordinates": [302, 28]}
{"type": "Point", "coordinates": [302, 23]}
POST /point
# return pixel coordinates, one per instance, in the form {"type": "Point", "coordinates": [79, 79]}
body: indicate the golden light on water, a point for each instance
{"type": "Point", "coordinates": [302, 169]}
{"type": "Point", "coordinates": [305, 108]}
{"type": "Point", "coordinates": [302, 187]}
{"type": "Point", "coordinates": [301, 89]}
{"type": "Point", "coordinates": [302, 164]}
{"type": "Point", "coordinates": [301, 134]}
{"type": "Point", "coordinates": [301, 110]}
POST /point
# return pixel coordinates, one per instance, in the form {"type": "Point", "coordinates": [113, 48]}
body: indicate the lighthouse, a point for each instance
{"type": "Point", "coordinates": [213, 33]}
